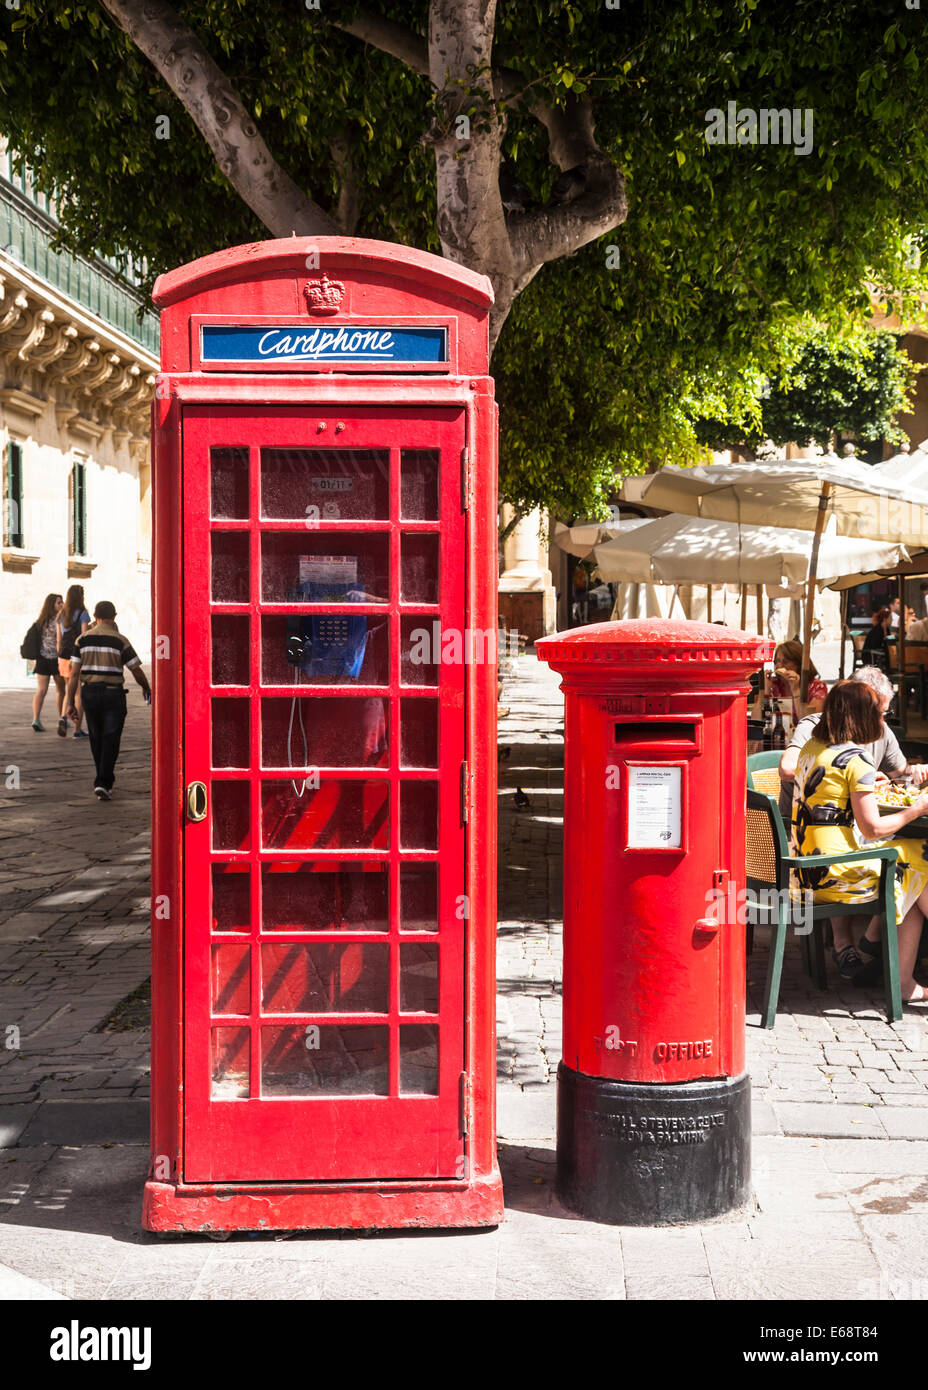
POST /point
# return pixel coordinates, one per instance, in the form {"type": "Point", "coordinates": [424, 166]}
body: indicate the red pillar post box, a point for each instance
{"type": "Point", "coordinates": [653, 1097]}
{"type": "Point", "coordinates": [323, 897]}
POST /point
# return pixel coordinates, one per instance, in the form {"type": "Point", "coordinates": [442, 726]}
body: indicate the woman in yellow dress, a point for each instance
{"type": "Point", "coordinates": [833, 791]}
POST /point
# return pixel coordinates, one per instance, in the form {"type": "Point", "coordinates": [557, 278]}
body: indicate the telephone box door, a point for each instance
{"type": "Point", "coordinates": [324, 847]}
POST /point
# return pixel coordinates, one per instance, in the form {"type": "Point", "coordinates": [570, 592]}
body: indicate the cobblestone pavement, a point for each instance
{"type": "Point", "coordinates": [74, 884]}
{"type": "Point", "coordinates": [840, 1150]}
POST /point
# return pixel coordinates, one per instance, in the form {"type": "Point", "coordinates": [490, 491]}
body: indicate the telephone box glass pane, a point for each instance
{"type": "Point", "coordinates": [229, 484]}
{"type": "Point", "coordinates": [230, 1063]}
{"type": "Point", "coordinates": [230, 733]}
{"type": "Point", "coordinates": [353, 651]}
{"type": "Point", "coordinates": [419, 1059]}
{"type": "Point", "coordinates": [420, 651]}
{"type": "Point", "coordinates": [308, 732]}
{"type": "Point", "coordinates": [231, 897]}
{"type": "Point", "coordinates": [337, 815]}
{"type": "Point", "coordinates": [324, 1060]}
{"type": "Point", "coordinates": [231, 980]}
{"type": "Point", "coordinates": [320, 485]}
{"type": "Point", "coordinates": [419, 484]}
{"type": "Point", "coordinates": [314, 896]}
{"type": "Point", "coordinates": [230, 648]}
{"type": "Point", "coordinates": [303, 568]}
{"type": "Point", "coordinates": [419, 978]}
{"type": "Point", "coordinates": [419, 733]}
{"type": "Point", "coordinates": [419, 815]}
{"type": "Point", "coordinates": [419, 573]}
{"type": "Point", "coordinates": [230, 566]}
{"type": "Point", "coordinates": [325, 977]}
{"type": "Point", "coordinates": [419, 897]}
{"type": "Point", "coordinates": [231, 815]}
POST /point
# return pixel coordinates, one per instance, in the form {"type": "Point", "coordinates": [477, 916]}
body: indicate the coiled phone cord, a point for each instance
{"type": "Point", "coordinates": [297, 790]}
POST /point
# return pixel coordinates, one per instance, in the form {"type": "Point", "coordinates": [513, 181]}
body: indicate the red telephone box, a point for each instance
{"type": "Point", "coordinates": [323, 896]}
{"type": "Point", "coordinates": [653, 1096]}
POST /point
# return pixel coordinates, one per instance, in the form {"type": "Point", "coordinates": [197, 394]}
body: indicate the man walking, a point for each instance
{"type": "Point", "coordinates": [98, 661]}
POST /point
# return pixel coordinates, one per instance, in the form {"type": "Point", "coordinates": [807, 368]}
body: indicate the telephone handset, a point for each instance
{"type": "Point", "coordinates": [327, 644]}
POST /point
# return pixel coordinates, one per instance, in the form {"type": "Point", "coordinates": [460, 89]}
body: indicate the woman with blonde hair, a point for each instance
{"type": "Point", "coordinates": [73, 622]}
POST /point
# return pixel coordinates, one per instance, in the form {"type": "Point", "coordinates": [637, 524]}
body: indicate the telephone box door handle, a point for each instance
{"type": "Point", "coordinates": [196, 801]}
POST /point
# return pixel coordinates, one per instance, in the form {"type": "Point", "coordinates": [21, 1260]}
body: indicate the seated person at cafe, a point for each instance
{"type": "Point", "coordinates": [833, 792]}
{"type": "Point", "coordinates": [890, 763]}
{"type": "Point", "coordinates": [917, 631]}
{"type": "Point", "coordinates": [784, 684]}
{"type": "Point", "coordinates": [876, 648]}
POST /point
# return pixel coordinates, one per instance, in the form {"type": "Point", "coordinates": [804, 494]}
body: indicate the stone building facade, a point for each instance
{"type": "Point", "coordinates": [77, 372]}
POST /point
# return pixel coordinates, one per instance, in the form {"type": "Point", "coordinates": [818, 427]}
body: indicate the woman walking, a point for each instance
{"type": "Point", "coordinates": [46, 663]}
{"type": "Point", "coordinates": [73, 622]}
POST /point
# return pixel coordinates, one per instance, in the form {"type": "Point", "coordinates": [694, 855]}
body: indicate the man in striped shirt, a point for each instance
{"type": "Point", "coordinates": [100, 657]}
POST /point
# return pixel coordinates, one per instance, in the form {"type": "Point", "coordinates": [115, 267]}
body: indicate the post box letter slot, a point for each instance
{"type": "Point", "coordinates": [657, 731]}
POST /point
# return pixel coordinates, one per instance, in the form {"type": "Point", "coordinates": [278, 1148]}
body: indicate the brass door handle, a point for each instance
{"type": "Point", "coordinates": [196, 801]}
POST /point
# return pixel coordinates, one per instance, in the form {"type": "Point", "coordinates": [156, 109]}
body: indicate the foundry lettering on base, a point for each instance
{"type": "Point", "coordinates": [659, 1131]}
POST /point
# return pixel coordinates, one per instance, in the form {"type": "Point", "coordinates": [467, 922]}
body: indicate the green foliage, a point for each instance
{"type": "Point", "coordinates": [601, 368]}
{"type": "Point", "coordinates": [854, 385]}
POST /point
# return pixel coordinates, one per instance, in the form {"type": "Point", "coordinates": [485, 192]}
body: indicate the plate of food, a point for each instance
{"type": "Point", "coordinates": [895, 796]}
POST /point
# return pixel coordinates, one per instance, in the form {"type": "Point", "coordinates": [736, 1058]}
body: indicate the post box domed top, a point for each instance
{"type": "Point", "coordinates": [238, 264]}
{"type": "Point", "coordinates": [646, 643]}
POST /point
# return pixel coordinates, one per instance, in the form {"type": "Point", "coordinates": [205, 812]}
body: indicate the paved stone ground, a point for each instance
{"type": "Point", "coordinates": [840, 1151]}
{"type": "Point", "coordinates": [74, 884]}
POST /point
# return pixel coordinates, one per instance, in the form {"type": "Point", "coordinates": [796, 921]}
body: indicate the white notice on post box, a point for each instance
{"type": "Point", "coordinates": [654, 818]}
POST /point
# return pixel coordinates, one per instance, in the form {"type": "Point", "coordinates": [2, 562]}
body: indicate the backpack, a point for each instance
{"type": "Point", "coordinates": [68, 639]}
{"type": "Point", "coordinates": [32, 643]}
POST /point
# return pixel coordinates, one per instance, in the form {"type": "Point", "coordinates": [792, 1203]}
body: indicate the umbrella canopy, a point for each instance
{"type": "Point", "coordinates": [693, 550]}
{"type": "Point", "coordinates": [788, 493]}
{"type": "Point", "coordinates": [909, 468]}
{"type": "Point", "coordinates": [579, 540]}
{"type": "Point", "coordinates": [798, 494]}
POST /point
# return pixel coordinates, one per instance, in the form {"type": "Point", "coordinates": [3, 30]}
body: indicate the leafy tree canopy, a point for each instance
{"type": "Point", "coordinates": [851, 386]}
{"type": "Point", "coordinates": [613, 348]}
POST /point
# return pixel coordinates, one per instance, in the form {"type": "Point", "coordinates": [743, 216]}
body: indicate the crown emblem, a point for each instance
{"type": "Point", "coordinates": [324, 296]}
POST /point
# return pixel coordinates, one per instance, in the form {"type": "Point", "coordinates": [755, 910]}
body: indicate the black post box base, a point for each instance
{"type": "Point", "coordinates": [652, 1155]}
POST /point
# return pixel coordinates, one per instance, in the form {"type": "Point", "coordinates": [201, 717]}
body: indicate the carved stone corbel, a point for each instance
{"type": "Point", "coordinates": [78, 356]}
{"type": "Point", "coordinates": [138, 447]}
{"type": "Point", "coordinates": [142, 393]}
{"type": "Point", "coordinates": [88, 380]}
{"type": "Point", "coordinates": [55, 345]}
{"type": "Point", "coordinates": [12, 313]}
{"type": "Point", "coordinates": [120, 384]}
{"type": "Point", "coordinates": [19, 340]}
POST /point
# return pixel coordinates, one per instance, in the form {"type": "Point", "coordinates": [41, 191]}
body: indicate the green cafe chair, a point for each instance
{"type": "Point", "coordinates": [763, 776]}
{"type": "Point", "coordinates": [770, 897]}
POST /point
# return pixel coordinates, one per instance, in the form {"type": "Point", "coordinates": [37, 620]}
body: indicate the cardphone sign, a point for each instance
{"type": "Point", "coordinates": [297, 343]}
{"type": "Point", "coordinates": [323, 1050]}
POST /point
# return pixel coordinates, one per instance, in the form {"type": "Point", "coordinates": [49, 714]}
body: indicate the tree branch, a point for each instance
{"type": "Point", "coordinates": [349, 194]}
{"type": "Point", "coordinates": [592, 202]}
{"type": "Point", "coordinates": [395, 39]}
{"type": "Point", "coordinates": [472, 225]}
{"type": "Point", "coordinates": [565, 147]}
{"type": "Point", "coordinates": [471, 220]}
{"type": "Point", "coordinates": [210, 100]}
